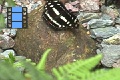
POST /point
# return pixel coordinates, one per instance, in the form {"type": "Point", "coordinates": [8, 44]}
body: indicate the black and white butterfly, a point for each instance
{"type": "Point", "coordinates": [58, 17]}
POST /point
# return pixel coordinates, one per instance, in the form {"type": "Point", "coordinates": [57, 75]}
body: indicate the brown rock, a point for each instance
{"type": "Point", "coordinates": [32, 42]}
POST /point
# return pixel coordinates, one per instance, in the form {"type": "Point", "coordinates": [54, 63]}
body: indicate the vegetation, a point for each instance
{"type": "Point", "coordinates": [79, 70]}
{"type": "Point", "coordinates": [2, 4]}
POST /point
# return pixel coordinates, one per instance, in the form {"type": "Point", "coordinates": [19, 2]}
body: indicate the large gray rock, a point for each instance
{"type": "Point", "coordinates": [111, 53]}
{"type": "Point", "coordinates": [99, 23]}
{"type": "Point", "coordinates": [103, 32]}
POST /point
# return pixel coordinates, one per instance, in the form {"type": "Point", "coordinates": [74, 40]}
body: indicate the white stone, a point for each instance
{"type": "Point", "coordinates": [7, 52]}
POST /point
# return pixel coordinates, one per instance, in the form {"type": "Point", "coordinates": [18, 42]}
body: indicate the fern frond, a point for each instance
{"type": "Point", "coordinates": [8, 72]}
{"type": "Point", "coordinates": [41, 64]}
{"type": "Point", "coordinates": [34, 74]}
{"type": "Point", "coordinates": [103, 74]}
{"type": "Point", "coordinates": [76, 70]}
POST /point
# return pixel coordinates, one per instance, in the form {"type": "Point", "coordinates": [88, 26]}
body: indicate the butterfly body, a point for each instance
{"type": "Point", "coordinates": [58, 17]}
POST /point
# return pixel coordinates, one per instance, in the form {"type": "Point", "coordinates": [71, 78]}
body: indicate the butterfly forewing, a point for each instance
{"type": "Point", "coordinates": [58, 17]}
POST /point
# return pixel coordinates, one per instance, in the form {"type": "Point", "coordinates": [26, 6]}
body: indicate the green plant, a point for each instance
{"type": "Point", "coordinates": [79, 70]}
{"type": "Point", "coordinates": [11, 3]}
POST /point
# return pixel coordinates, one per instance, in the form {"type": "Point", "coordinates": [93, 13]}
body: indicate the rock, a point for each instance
{"type": "Point", "coordinates": [7, 52]}
{"type": "Point", "coordinates": [99, 23]}
{"type": "Point", "coordinates": [34, 6]}
{"type": "Point", "coordinates": [19, 67]}
{"type": "Point", "coordinates": [13, 32]}
{"type": "Point", "coordinates": [19, 58]}
{"type": "Point", "coordinates": [18, 3]}
{"type": "Point", "coordinates": [117, 20]}
{"type": "Point", "coordinates": [119, 10]}
{"type": "Point", "coordinates": [6, 31]}
{"type": "Point", "coordinates": [2, 57]}
{"type": "Point", "coordinates": [111, 11]}
{"type": "Point", "coordinates": [85, 17]}
{"type": "Point", "coordinates": [118, 27]}
{"type": "Point", "coordinates": [116, 64]}
{"type": "Point", "coordinates": [6, 42]}
{"type": "Point", "coordinates": [106, 17]}
{"type": "Point", "coordinates": [10, 32]}
{"type": "Point", "coordinates": [103, 32]}
{"type": "Point", "coordinates": [114, 40]}
{"type": "Point", "coordinates": [89, 5]}
{"type": "Point", "coordinates": [71, 7]}
{"type": "Point", "coordinates": [1, 50]}
{"type": "Point", "coordinates": [111, 53]}
{"type": "Point", "coordinates": [38, 37]}
{"type": "Point", "coordinates": [111, 2]}
{"type": "Point", "coordinates": [39, 2]}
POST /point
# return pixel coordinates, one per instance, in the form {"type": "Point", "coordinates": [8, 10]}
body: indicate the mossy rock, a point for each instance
{"type": "Point", "coordinates": [38, 37]}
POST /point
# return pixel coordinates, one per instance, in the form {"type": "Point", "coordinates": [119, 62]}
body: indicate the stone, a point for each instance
{"type": "Point", "coordinates": [89, 5]}
{"type": "Point", "coordinates": [118, 27]}
{"type": "Point", "coordinates": [19, 67]}
{"type": "Point", "coordinates": [6, 42]}
{"type": "Point", "coordinates": [114, 40]}
{"type": "Point", "coordinates": [13, 32]}
{"type": "Point", "coordinates": [106, 17]}
{"type": "Point", "coordinates": [7, 52]}
{"type": "Point", "coordinates": [1, 50]}
{"type": "Point", "coordinates": [2, 57]}
{"type": "Point", "coordinates": [113, 12]}
{"type": "Point", "coordinates": [71, 6]}
{"type": "Point", "coordinates": [99, 23]}
{"type": "Point", "coordinates": [20, 58]}
{"type": "Point", "coordinates": [117, 20]}
{"type": "Point", "coordinates": [38, 37]}
{"type": "Point", "coordinates": [103, 32]}
{"type": "Point", "coordinates": [34, 6]}
{"type": "Point", "coordinates": [39, 2]}
{"type": "Point", "coordinates": [85, 17]}
{"type": "Point", "coordinates": [10, 32]}
{"type": "Point", "coordinates": [113, 2]}
{"type": "Point", "coordinates": [111, 53]}
{"type": "Point", "coordinates": [116, 64]}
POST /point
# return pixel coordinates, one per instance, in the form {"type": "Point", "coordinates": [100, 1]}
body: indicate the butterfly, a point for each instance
{"type": "Point", "coordinates": [58, 17]}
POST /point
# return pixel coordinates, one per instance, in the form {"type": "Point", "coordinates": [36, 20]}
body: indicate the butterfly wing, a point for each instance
{"type": "Point", "coordinates": [58, 17]}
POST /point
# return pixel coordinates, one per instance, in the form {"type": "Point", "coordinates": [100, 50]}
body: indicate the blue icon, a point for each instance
{"type": "Point", "coordinates": [16, 17]}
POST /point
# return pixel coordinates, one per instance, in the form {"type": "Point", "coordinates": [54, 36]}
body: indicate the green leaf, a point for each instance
{"type": "Point", "coordinates": [41, 64]}
{"type": "Point", "coordinates": [76, 70]}
{"type": "Point", "coordinates": [34, 74]}
{"type": "Point", "coordinates": [11, 3]}
{"type": "Point", "coordinates": [103, 74]}
{"type": "Point", "coordinates": [2, 21]}
{"type": "Point", "coordinates": [1, 1]}
{"type": "Point", "coordinates": [11, 57]}
{"type": "Point", "coordinates": [8, 72]}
